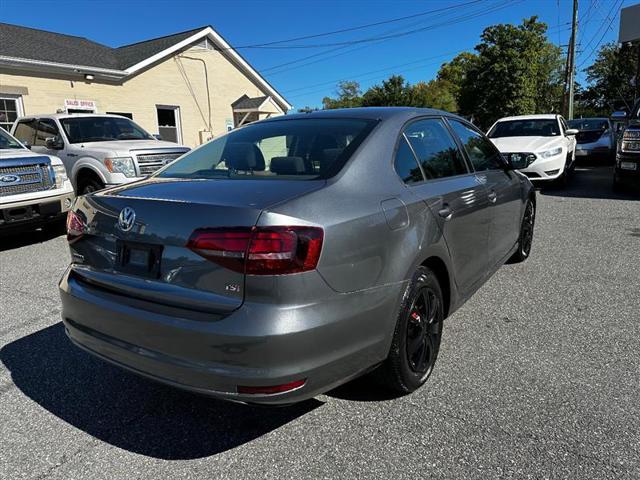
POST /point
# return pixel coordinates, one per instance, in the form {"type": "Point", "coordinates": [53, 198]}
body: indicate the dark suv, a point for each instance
{"type": "Point", "coordinates": [627, 170]}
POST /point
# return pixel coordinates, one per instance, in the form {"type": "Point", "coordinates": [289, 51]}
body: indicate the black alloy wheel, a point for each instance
{"type": "Point", "coordinates": [417, 336]}
{"type": "Point", "coordinates": [526, 234]}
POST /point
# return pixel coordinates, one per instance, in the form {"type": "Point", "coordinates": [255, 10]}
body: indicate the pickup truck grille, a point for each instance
{"type": "Point", "coordinates": [150, 162]}
{"type": "Point", "coordinates": [24, 179]}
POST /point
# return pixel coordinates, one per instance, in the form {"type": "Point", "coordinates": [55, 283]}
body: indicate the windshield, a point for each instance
{"type": "Point", "coordinates": [99, 129]}
{"type": "Point", "coordinates": [297, 149]}
{"type": "Point", "coordinates": [525, 128]}
{"type": "Point", "coordinates": [7, 142]}
{"type": "Point", "coordinates": [589, 124]}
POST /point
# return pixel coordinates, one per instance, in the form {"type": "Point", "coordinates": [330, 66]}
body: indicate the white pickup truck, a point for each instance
{"type": "Point", "coordinates": [34, 188]}
{"type": "Point", "coordinates": [97, 150]}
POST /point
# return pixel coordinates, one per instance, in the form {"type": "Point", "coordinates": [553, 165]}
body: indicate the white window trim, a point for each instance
{"type": "Point", "coordinates": [19, 104]}
{"type": "Point", "coordinates": [176, 112]}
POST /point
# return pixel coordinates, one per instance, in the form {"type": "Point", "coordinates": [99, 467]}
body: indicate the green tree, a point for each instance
{"type": "Point", "coordinates": [434, 94]}
{"type": "Point", "coordinates": [517, 72]}
{"type": "Point", "coordinates": [454, 75]}
{"type": "Point", "coordinates": [393, 92]}
{"type": "Point", "coordinates": [348, 96]}
{"type": "Point", "coordinates": [611, 80]}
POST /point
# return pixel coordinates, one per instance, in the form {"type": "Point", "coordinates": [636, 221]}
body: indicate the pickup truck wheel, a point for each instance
{"type": "Point", "coordinates": [91, 185]}
{"type": "Point", "coordinates": [416, 339]}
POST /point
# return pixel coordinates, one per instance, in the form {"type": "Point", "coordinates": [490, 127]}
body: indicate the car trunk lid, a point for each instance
{"type": "Point", "coordinates": [145, 254]}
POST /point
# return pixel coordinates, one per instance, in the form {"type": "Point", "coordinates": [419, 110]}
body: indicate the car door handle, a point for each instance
{"type": "Point", "coordinates": [493, 196]}
{"type": "Point", "coordinates": [71, 155]}
{"type": "Point", "coordinates": [445, 212]}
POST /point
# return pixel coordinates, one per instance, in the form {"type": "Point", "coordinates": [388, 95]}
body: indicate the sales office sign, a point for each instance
{"type": "Point", "coordinates": [73, 104]}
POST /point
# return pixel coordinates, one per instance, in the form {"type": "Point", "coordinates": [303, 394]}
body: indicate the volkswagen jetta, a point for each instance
{"type": "Point", "coordinates": [294, 254]}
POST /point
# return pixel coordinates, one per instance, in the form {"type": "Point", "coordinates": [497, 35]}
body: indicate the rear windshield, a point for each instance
{"type": "Point", "coordinates": [296, 149]}
{"type": "Point", "coordinates": [525, 128]}
{"type": "Point", "coordinates": [589, 124]}
{"type": "Point", "coordinates": [102, 129]}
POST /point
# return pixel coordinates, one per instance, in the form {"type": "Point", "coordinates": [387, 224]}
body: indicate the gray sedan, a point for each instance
{"type": "Point", "coordinates": [294, 254]}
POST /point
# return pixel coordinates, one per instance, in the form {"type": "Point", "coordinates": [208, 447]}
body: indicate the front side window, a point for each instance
{"type": "Point", "coordinates": [26, 131]}
{"type": "Point", "coordinates": [406, 164]}
{"type": "Point", "coordinates": [297, 149]}
{"type": "Point", "coordinates": [46, 129]}
{"type": "Point", "coordinates": [100, 129]}
{"type": "Point", "coordinates": [7, 142]}
{"type": "Point", "coordinates": [525, 128]}
{"type": "Point", "coordinates": [481, 152]}
{"type": "Point", "coordinates": [436, 150]}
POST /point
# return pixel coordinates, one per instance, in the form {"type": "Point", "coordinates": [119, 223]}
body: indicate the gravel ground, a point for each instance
{"type": "Point", "coordinates": [538, 377]}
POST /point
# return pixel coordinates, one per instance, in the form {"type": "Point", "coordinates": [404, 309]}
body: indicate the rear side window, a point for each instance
{"type": "Point", "coordinates": [406, 164]}
{"type": "Point", "coordinates": [481, 152]}
{"type": "Point", "coordinates": [296, 149]}
{"type": "Point", "coordinates": [436, 150]}
{"type": "Point", "coordinates": [26, 131]}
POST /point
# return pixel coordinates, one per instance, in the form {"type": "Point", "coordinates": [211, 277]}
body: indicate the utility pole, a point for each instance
{"type": "Point", "coordinates": [571, 63]}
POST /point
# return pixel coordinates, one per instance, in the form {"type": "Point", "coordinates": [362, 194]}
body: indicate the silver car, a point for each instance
{"type": "Point", "coordinates": [294, 254]}
{"type": "Point", "coordinates": [596, 139]}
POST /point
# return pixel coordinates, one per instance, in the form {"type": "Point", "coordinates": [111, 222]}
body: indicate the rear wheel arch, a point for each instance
{"type": "Point", "coordinates": [439, 268]}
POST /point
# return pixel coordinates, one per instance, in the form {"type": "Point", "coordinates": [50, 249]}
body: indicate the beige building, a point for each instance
{"type": "Point", "coordinates": [186, 87]}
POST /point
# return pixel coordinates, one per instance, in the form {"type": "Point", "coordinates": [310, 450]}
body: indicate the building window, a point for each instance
{"type": "Point", "coordinates": [10, 109]}
{"type": "Point", "coordinates": [122, 114]}
{"type": "Point", "coordinates": [169, 123]}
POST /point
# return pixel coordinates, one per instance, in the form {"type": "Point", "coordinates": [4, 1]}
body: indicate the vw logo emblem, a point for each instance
{"type": "Point", "coordinates": [126, 219]}
{"type": "Point", "coordinates": [9, 179]}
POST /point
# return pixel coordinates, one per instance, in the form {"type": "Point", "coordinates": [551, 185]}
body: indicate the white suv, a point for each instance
{"type": "Point", "coordinates": [34, 188]}
{"type": "Point", "coordinates": [542, 147]}
{"type": "Point", "coordinates": [98, 150]}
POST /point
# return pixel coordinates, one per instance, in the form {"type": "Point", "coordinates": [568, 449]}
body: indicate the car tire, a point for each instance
{"type": "Point", "coordinates": [90, 185]}
{"type": "Point", "coordinates": [417, 335]}
{"type": "Point", "coordinates": [525, 240]}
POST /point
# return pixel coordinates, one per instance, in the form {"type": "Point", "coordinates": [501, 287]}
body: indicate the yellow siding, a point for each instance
{"type": "Point", "coordinates": [176, 81]}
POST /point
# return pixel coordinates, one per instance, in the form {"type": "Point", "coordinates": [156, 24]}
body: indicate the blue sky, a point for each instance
{"type": "Point", "coordinates": [417, 56]}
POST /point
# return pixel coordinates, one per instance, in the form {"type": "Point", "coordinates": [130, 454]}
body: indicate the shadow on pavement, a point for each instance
{"type": "Point", "coordinates": [9, 241]}
{"type": "Point", "coordinates": [363, 389]}
{"type": "Point", "coordinates": [128, 411]}
{"type": "Point", "coordinates": [590, 182]}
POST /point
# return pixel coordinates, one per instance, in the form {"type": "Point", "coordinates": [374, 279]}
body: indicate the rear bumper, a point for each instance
{"type": "Point", "coordinates": [256, 345]}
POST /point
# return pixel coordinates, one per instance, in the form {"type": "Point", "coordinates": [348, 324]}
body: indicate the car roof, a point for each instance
{"type": "Point", "coordinates": [69, 115]}
{"type": "Point", "coordinates": [373, 113]}
{"type": "Point", "coordinates": [539, 116]}
{"type": "Point", "coordinates": [588, 118]}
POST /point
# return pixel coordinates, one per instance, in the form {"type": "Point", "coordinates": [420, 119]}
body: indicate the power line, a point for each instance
{"type": "Point", "coordinates": [360, 27]}
{"type": "Point", "coordinates": [383, 69]}
{"type": "Point", "coordinates": [611, 19]}
{"type": "Point", "coordinates": [451, 21]}
{"type": "Point", "coordinates": [401, 34]}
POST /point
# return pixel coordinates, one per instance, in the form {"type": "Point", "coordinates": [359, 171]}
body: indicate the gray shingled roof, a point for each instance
{"type": "Point", "coordinates": [245, 102]}
{"type": "Point", "coordinates": [30, 43]}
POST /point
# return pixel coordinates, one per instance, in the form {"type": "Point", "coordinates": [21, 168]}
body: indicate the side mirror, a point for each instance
{"type": "Point", "coordinates": [157, 136]}
{"type": "Point", "coordinates": [571, 132]}
{"type": "Point", "coordinates": [620, 115]}
{"type": "Point", "coordinates": [54, 143]}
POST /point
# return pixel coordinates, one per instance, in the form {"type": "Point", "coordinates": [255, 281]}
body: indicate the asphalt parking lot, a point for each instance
{"type": "Point", "coordinates": [538, 377]}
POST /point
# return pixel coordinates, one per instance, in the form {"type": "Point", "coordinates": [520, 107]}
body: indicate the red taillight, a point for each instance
{"type": "Point", "coordinates": [76, 226]}
{"type": "Point", "coordinates": [268, 390]}
{"type": "Point", "coordinates": [260, 250]}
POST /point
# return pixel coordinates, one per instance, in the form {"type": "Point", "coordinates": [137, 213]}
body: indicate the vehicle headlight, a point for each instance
{"type": "Point", "coordinates": [551, 153]}
{"type": "Point", "coordinates": [122, 165]}
{"type": "Point", "coordinates": [60, 174]}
